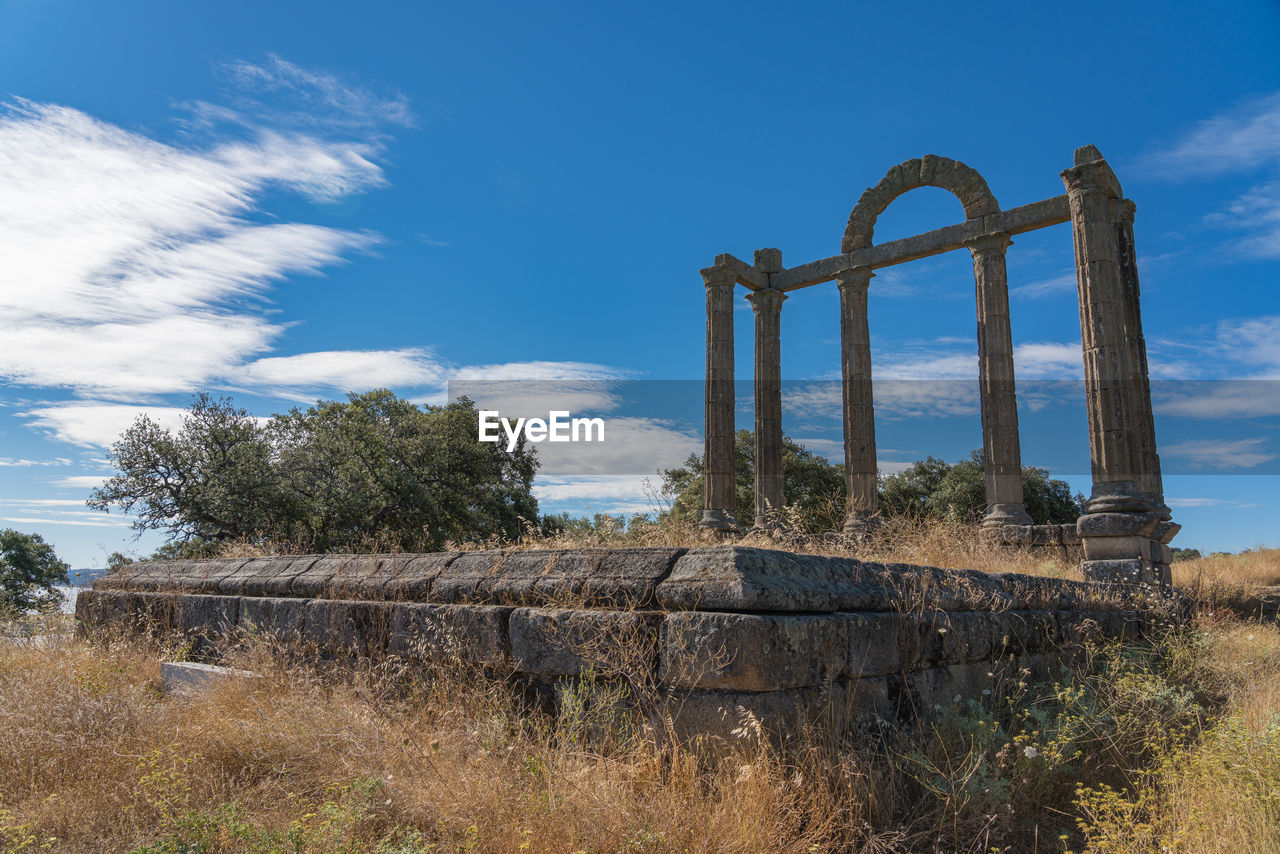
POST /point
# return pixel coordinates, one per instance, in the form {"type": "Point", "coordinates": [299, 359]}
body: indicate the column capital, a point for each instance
{"type": "Point", "coordinates": [850, 277]}
{"type": "Point", "coordinates": [766, 299]}
{"type": "Point", "coordinates": [995, 241]}
{"type": "Point", "coordinates": [718, 274]}
{"type": "Point", "coordinates": [1124, 210]}
{"type": "Point", "coordinates": [1091, 173]}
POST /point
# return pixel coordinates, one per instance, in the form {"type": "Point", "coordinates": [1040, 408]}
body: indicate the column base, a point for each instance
{"type": "Point", "coordinates": [1006, 515]}
{"type": "Point", "coordinates": [719, 521]}
{"type": "Point", "coordinates": [1128, 571]}
{"type": "Point", "coordinates": [860, 525]}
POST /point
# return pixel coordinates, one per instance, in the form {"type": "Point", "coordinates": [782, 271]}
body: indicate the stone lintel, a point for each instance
{"type": "Point", "coordinates": [744, 273]}
{"type": "Point", "coordinates": [1041, 214]}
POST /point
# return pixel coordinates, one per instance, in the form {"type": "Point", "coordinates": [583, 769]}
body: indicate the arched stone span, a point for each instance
{"type": "Point", "coordinates": [960, 180]}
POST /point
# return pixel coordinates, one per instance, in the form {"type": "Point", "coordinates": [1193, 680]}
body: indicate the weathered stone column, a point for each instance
{"type": "Point", "coordinates": [1150, 480]}
{"type": "Point", "coordinates": [768, 391]}
{"type": "Point", "coordinates": [718, 461]}
{"type": "Point", "coordinates": [1000, 443]}
{"type": "Point", "coordinates": [859, 412]}
{"type": "Point", "coordinates": [1119, 523]}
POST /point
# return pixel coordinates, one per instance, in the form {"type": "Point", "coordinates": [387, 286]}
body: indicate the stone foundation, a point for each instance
{"type": "Point", "coordinates": [718, 632]}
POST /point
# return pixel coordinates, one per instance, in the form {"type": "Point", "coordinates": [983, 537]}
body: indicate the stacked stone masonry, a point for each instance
{"type": "Point", "coordinates": [719, 631]}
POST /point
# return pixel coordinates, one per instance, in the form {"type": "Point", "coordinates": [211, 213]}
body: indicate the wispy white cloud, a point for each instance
{"type": "Point", "coordinates": [10, 462]}
{"type": "Point", "coordinates": [96, 424]}
{"type": "Point", "coordinates": [81, 481]}
{"type": "Point", "coordinates": [343, 370]}
{"type": "Point", "coordinates": [1188, 503]}
{"type": "Point", "coordinates": [1061, 284]}
{"type": "Point", "coordinates": [1244, 139]}
{"type": "Point", "coordinates": [156, 291]}
{"type": "Point", "coordinates": [1221, 453]}
{"type": "Point", "coordinates": [278, 90]}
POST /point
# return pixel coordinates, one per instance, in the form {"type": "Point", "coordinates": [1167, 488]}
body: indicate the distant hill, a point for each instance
{"type": "Point", "coordinates": [84, 577]}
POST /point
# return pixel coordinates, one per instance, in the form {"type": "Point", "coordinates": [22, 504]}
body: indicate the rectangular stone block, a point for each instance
{"type": "Point", "coordinates": [367, 577]}
{"type": "Point", "coordinates": [467, 634]}
{"type": "Point", "coordinates": [280, 581]}
{"type": "Point", "coordinates": [931, 690]}
{"type": "Point", "coordinates": [874, 643]}
{"type": "Point", "coordinates": [752, 652]}
{"type": "Point", "coordinates": [413, 582]}
{"type": "Point", "coordinates": [458, 580]}
{"type": "Point", "coordinates": [735, 578]}
{"type": "Point", "coordinates": [313, 582]}
{"type": "Point", "coordinates": [564, 580]}
{"type": "Point", "coordinates": [629, 578]}
{"type": "Point", "coordinates": [206, 620]}
{"type": "Point", "coordinates": [562, 642]}
{"type": "Point", "coordinates": [339, 628]}
{"type": "Point", "coordinates": [512, 582]}
{"type": "Point", "coordinates": [246, 579]}
{"type": "Point", "coordinates": [282, 619]}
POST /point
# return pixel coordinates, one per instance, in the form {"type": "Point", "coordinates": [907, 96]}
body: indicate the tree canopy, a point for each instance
{"type": "Point", "coordinates": [28, 572]}
{"type": "Point", "coordinates": [374, 471]}
{"type": "Point", "coordinates": [815, 489]}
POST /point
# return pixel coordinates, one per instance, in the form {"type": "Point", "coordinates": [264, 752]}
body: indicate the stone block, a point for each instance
{"type": "Point", "coordinates": [458, 579]}
{"type": "Point", "coordinates": [744, 717]}
{"type": "Point", "coordinates": [1132, 570]}
{"type": "Point", "coordinates": [932, 689]}
{"type": "Point", "coordinates": [559, 642]}
{"type": "Point", "coordinates": [445, 634]}
{"type": "Point", "coordinates": [1027, 632]}
{"type": "Point", "coordinates": [1116, 525]}
{"type": "Point", "coordinates": [513, 580]}
{"type": "Point", "coordinates": [313, 582]}
{"type": "Point", "coordinates": [278, 581]}
{"type": "Point", "coordinates": [278, 618]}
{"type": "Point", "coordinates": [874, 643]}
{"type": "Point", "coordinates": [341, 628]}
{"type": "Point", "coordinates": [752, 652]}
{"type": "Point", "coordinates": [566, 577]}
{"type": "Point", "coordinates": [206, 620]}
{"type": "Point", "coordinates": [629, 578]}
{"type": "Point", "coordinates": [413, 582]}
{"type": "Point", "coordinates": [749, 579]}
{"type": "Point", "coordinates": [188, 677]}
{"type": "Point", "coordinates": [369, 578]}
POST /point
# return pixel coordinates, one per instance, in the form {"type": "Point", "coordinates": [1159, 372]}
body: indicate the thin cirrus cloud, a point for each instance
{"type": "Point", "coordinates": [1242, 140]}
{"type": "Point", "coordinates": [156, 291]}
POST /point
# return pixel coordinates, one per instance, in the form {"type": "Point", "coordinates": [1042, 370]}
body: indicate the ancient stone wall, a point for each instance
{"type": "Point", "coordinates": [715, 631]}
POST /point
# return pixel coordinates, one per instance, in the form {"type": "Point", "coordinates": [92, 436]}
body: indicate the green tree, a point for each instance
{"type": "Point", "coordinates": [28, 572]}
{"type": "Point", "coordinates": [374, 470]}
{"type": "Point", "coordinates": [934, 489]}
{"type": "Point", "coordinates": [813, 487]}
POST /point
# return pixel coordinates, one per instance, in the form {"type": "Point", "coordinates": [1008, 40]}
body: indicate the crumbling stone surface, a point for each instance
{"type": "Point", "coordinates": [729, 634]}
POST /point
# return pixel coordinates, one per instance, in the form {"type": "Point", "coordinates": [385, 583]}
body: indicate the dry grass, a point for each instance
{"type": "Point", "coordinates": [1177, 746]}
{"type": "Point", "coordinates": [95, 756]}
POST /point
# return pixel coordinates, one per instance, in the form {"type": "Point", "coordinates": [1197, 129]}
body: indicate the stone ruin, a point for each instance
{"type": "Point", "coordinates": [1126, 527]}
{"type": "Point", "coordinates": [718, 632]}
{"type": "Point", "coordinates": [713, 632]}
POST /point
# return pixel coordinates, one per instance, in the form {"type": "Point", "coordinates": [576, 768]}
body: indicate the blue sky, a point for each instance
{"type": "Point", "coordinates": [289, 201]}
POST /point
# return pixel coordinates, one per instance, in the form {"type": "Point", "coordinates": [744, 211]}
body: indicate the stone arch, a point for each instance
{"type": "Point", "coordinates": [960, 180]}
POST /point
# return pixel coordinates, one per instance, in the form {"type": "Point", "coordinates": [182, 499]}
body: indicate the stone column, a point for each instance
{"type": "Point", "coordinates": [1119, 522]}
{"type": "Point", "coordinates": [1150, 480]}
{"type": "Point", "coordinates": [718, 461]}
{"type": "Point", "coordinates": [859, 414]}
{"type": "Point", "coordinates": [1000, 444]}
{"type": "Point", "coordinates": [768, 390]}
